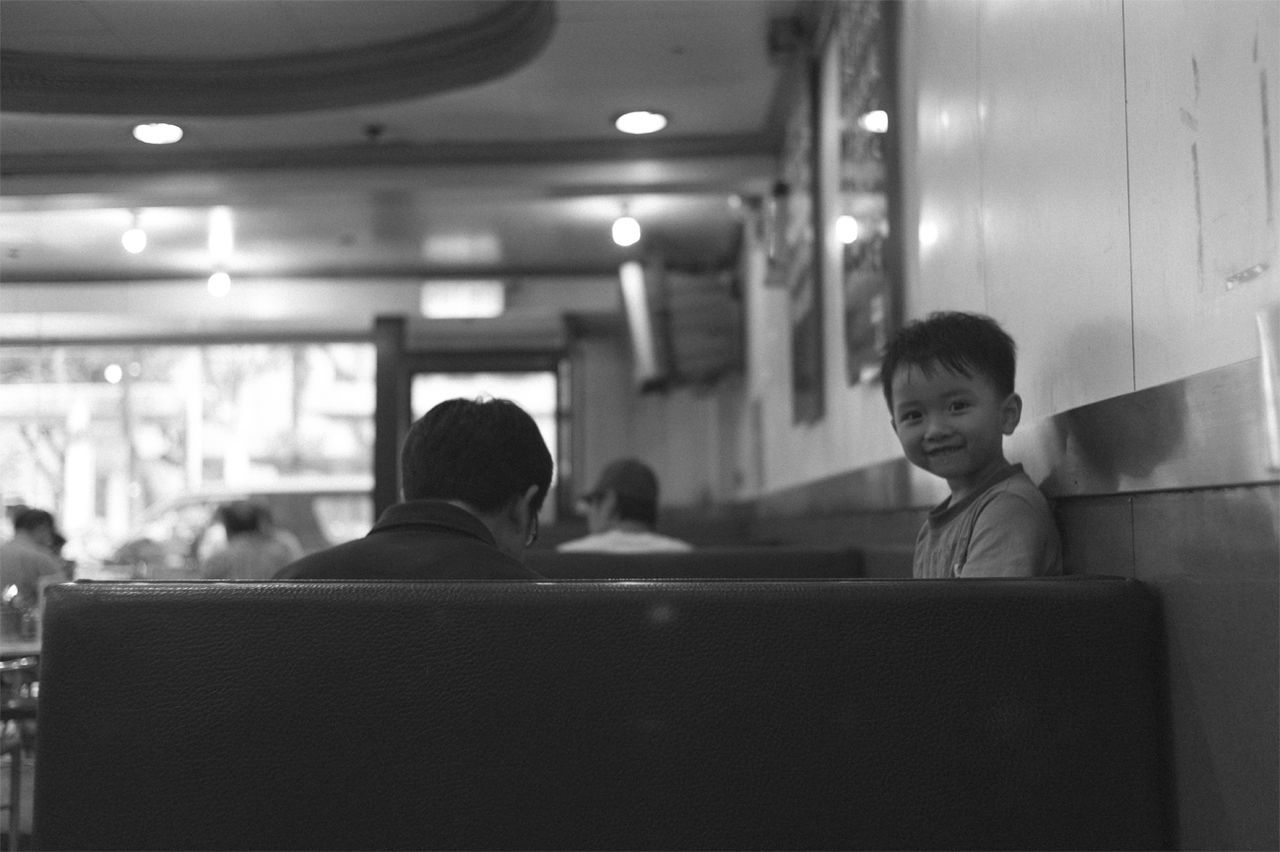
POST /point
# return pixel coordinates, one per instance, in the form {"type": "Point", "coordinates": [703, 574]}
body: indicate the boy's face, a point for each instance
{"type": "Point", "coordinates": [952, 425]}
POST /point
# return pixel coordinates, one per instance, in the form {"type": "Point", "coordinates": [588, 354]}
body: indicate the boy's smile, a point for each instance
{"type": "Point", "coordinates": [952, 425]}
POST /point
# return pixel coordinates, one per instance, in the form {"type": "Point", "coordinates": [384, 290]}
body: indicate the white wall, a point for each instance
{"type": "Point", "coordinates": [687, 436]}
{"type": "Point", "coordinates": [1097, 172]}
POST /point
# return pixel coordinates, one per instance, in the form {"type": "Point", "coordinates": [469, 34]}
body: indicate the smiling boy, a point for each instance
{"type": "Point", "coordinates": [948, 380]}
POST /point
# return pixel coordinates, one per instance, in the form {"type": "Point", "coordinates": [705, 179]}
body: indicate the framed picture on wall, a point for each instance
{"type": "Point", "coordinates": [858, 117]}
{"type": "Point", "coordinates": [792, 255]}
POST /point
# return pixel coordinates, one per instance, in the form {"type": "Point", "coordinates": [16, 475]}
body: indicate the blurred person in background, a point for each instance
{"type": "Point", "coordinates": [622, 512]}
{"type": "Point", "coordinates": [29, 562]}
{"type": "Point", "coordinates": [253, 551]}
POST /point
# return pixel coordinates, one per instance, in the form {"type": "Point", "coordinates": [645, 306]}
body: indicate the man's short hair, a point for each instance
{"type": "Point", "coordinates": [33, 519]}
{"type": "Point", "coordinates": [241, 516]}
{"type": "Point", "coordinates": [963, 343]}
{"type": "Point", "coordinates": [635, 487]}
{"type": "Point", "coordinates": [482, 452]}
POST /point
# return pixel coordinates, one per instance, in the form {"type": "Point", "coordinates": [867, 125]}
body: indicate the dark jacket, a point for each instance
{"type": "Point", "coordinates": [415, 540]}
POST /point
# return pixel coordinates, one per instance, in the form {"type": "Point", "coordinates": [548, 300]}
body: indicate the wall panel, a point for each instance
{"type": "Point", "coordinates": [1204, 138]}
{"type": "Point", "coordinates": [944, 176]}
{"type": "Point", "coordinates": [1055, 230]}
{"type": "Point", "coordinates": [1212, 557]}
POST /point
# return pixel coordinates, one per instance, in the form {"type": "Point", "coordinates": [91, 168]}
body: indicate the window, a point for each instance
{"type": "Point", "coordinates": [98, 434]}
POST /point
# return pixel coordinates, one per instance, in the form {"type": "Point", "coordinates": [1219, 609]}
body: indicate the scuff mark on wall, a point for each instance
{"type": "Point", "coordinates": [1195, 175]}
{"type": "Point", "coordinates": [1246, 275]}
{"type": "Point", "coordinates": [1195, 77]}
{"type": "Point", "coordinates": [1268, 169]}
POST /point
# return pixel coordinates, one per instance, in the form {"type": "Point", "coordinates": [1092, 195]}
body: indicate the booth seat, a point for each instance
{"type": "Point", "coordinates": [770, 563]}
{"type": "Point", "coordinates": [719, 714]}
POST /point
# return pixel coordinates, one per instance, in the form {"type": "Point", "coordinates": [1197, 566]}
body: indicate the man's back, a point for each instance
{"type": "Point", "coordinates": [27, 565]}
{"type": "Point", "coordinates": [249, 556]}
{"type": "Point", "coordinates": [415, 540]}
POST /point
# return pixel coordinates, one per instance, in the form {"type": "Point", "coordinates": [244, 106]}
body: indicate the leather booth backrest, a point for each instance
{"type": "Point", "coordinates": [767, 563]}
{"type": "Point", "coordinates": [863, 714]}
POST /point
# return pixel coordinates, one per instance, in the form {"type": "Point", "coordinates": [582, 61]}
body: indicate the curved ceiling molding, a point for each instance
{"type": "Point", "coordinates": [493, 45]}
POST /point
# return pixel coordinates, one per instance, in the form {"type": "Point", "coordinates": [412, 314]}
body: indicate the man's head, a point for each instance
{"type": "Point", "coordinates": [38, 525]}
{"type": "Point", "coordinates": [487, 454]}
{"type": "Point", "coordinates": [626, 491]}
{"type": "Point", "coordinates": [949, 385]}
{"type": "Point", "coordinates": [240, 517]}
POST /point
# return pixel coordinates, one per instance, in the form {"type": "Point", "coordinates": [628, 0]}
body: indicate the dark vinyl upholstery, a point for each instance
{"type": "Point", "coordinates": [863, 714]}
{"type": "Point", "coordinates": [755, 563]}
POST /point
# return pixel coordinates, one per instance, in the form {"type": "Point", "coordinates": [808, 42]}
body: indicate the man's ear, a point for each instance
{"type": "Point", "coordinates": [521, 506]}
{"type": "Point", "coordinates": [1010, 413]}
{"type": "Point", "coordinates": [517, 514]}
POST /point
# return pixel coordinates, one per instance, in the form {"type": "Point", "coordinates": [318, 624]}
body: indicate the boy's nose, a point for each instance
{"type": "Point", "coordinates": [935, 426]}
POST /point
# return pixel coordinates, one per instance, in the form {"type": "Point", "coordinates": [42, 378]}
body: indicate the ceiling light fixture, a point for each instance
{"type": "Point", "coordinates": [219, 284]}
{"type": "Point", "coordinates": [157, 133]}
{"type": "Point", "coordinates": [875, 121]}
{"type": "Point", "coordinates": [640, 121]}
{"type": "Point", "coordinates": [626, 231]}
{"type": "Point", "coordinates": [847, 229]}
{"type": "Point", "coordinates": [134, 240]}
{"type": "Point", "coordinates": [222, 234]}
{"type": "Point", "coordinates": [462, 299]}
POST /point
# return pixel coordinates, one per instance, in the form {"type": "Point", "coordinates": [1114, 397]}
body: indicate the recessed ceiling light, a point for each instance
{"type": "Point", "coordinates": [219, 284]}
{"type": "Point", "coordinates": [640, 121]}
{"type": "Point", "coordinates": [875, 121]}
{"type": "Point", "coordinates": [847, 230]}
{"type": "Point", "coordinates": [134, 240]}
{"type": "Point", "coordinates": [626, 231]}
{"type": "Point", "coordinates": [157, 133]}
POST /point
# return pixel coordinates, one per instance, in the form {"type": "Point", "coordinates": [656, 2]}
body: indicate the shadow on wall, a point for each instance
{"type": "Point", "coordinates": [1119, 443]}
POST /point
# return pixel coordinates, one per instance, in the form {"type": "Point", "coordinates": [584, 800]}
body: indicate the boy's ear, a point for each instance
{"type": "Point", "coordinates": [1010, 413]}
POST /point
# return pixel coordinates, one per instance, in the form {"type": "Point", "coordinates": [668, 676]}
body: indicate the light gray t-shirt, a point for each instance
{"type": "Point", "coordinates": [250, 556]}
{"type": "Point", "coordinates": [1004, 529]}
{"type": "Point", "coordinates": [626, 541]}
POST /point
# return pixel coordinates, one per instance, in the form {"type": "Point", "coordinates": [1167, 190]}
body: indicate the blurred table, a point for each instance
{"type": "Point", "coordinates": [19, 704]}
{"type": "Point", "coordinates": [13, 647]}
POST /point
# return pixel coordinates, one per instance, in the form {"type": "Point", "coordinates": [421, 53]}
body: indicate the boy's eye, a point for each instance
{"type": "Point", "coordinates": [959, 405]}
{"type": "Point", "coordinates": [908, 416]}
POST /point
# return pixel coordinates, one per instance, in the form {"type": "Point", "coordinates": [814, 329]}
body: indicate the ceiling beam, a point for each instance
{"type": "Point", "coordinates": [409, 275]}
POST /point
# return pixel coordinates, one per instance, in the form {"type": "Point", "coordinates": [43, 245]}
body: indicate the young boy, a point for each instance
{"type": "Point", "coordinates": [948, 380]}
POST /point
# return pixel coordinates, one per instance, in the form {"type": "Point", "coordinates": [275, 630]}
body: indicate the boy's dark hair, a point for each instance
{"type": "Point", "coordinates": [960, 342]}
{"type": "Point", "coordinates": [483, 452]}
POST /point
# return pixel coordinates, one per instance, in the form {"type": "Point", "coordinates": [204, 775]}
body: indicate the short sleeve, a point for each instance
{"type": "Point", "coordinates": [1012, 537]}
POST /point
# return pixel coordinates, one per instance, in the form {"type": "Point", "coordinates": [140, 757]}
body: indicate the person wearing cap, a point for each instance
{"type": "Point", "coordinates": [622, 511]}
{"type": "Point", "coordinates": [28, 561]}
{"type": "Point", "coordinates": [474, 474]}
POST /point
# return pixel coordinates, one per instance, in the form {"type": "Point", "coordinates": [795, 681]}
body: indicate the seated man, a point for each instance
{"type": "Point", "coordinates": [252, 551]}
{"type": "Point", "coordinates": [29, 562]}
{"type": "Point", "coordinates": [474, 474]}
{"type": "Point", "coordinates": [622, 511]}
